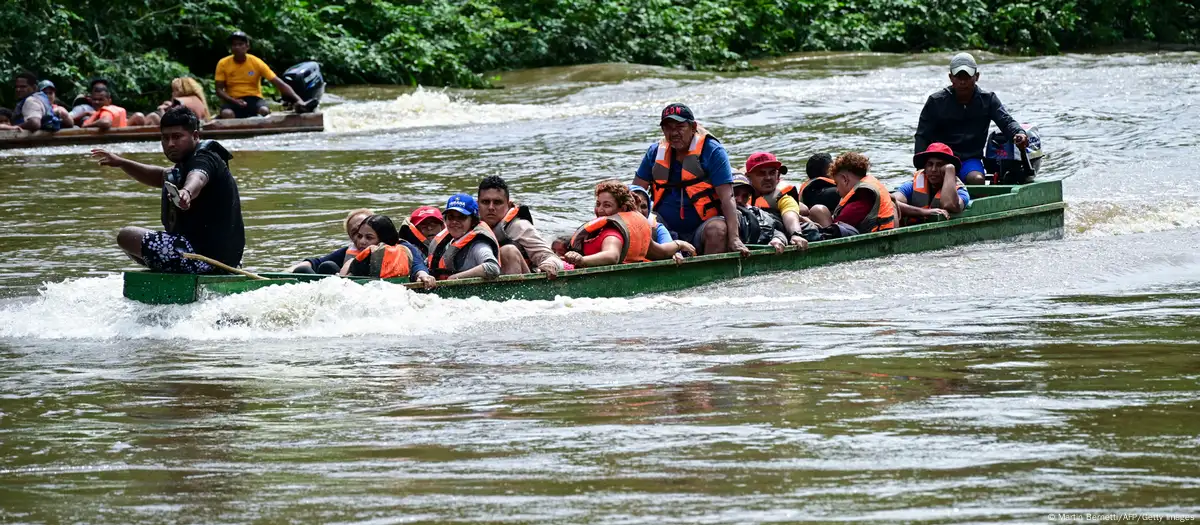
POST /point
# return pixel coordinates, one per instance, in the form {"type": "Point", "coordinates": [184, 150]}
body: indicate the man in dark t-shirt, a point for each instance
{"type": "Point", "coordinates": [201, 209]}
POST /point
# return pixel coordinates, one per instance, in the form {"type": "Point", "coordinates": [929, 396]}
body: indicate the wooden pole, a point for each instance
{"type": "Point", "coordinates": [223, 266]}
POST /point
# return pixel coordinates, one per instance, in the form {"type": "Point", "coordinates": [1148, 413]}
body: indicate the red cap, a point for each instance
{"type": "Point", "coordinates": [937, 149]}
{"type": "Point", "coordinates": [425, 212]}
{"type": "Point", "coordinates": [763, 159]}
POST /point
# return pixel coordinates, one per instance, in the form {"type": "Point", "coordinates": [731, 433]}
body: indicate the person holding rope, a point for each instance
{"type": "Point", "coordinates": [201, 210]}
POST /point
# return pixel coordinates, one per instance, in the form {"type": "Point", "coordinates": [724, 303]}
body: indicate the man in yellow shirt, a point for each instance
{"type": "Point", "coordinates": [780, 198]}
{"type": "Point", "coordinates": [239, 81]}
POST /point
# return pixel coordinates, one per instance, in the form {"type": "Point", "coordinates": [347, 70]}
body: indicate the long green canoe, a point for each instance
{"type": "Point", "coordinates": [996, 212]}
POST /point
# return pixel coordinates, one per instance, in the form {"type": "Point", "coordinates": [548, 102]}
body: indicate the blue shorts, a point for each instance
{"type": "Point", "coordinates": [970, 165]}
{"type": "Point", "coordinates": [161, 253]}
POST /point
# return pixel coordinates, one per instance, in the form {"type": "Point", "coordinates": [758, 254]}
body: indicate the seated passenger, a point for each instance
{"type": "Point", "coordinates": [642, 195]}
{"type": "Point", "coordinates": [776, 196]}
{"type": "Point", "coordinates": [865, 206]}
{"type": "Point", "coordinates": [619, 234]}
{"type": "Point", "coordinates": [421, 226]}
{"type": "Point", "coordinates": [819, 188]}
{"type": "Point", "coordinates": [466, 248]}
{"type": "Point", "coordinates": [381, 254]}
{"type": "Point", "coordinates": [64, 116]}
{"type": "Point", "coordinates": [331, 264]}
{"type": "Point", "coordinates": [935, 188]}
{"type": "Point", "coordinates": [185, 91]}
{"type": "Point", "coordinates": [521, 246]}
{"type": "Point", "coordinates": [108, 115]}
{"type": "Point", "coordinates": [81, 108]}
{"type": "Point", "coordinates": [757, 225]}
{"type": "Point", "coordinates": [6, 116]}
{"type": "Point", "coordinates": [33, 111]}
{"type": "Point", "coordinates": [239, 79]}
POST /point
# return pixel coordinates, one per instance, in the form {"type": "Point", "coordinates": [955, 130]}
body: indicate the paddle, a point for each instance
{"type": "Point", "coordinates": [223, 266]}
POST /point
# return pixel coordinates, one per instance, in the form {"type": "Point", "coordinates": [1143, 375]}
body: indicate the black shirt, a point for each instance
{"type": "Point", "coordinates": [213, 223]}
{"type": "Point", "coordinates": [963, 128]}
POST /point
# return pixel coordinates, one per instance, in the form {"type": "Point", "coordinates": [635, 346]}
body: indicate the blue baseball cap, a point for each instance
{"type": "Point", "coordinates": [462, 203]}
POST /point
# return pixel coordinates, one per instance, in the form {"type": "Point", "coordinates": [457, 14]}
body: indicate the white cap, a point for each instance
{"type": "Point", "coordinates": [963, 62]}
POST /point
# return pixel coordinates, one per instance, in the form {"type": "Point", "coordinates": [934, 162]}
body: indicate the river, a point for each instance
{"type": "Point", "coordinates": [1025, 381]}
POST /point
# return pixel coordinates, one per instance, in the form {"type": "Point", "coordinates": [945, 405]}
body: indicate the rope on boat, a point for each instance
{"type": "Point", "coordinates": [223, 266]}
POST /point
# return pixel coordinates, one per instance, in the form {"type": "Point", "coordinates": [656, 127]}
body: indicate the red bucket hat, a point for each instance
{"type": "Point", "coordinates": [939, 150]}
{"type": "Point", "coordinates": [764, 159]}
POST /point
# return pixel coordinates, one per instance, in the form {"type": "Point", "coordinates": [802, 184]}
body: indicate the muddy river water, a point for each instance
{"type": "Point", "coordinates": [1020, 381]}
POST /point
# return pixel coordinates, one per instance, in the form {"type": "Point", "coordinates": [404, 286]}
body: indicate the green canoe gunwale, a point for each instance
{"type": "Point", "coordinates": [998, 212]}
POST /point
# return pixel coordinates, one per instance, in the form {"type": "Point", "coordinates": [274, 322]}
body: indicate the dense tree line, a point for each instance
{"type": "Point", "coordinates": [141, 44]}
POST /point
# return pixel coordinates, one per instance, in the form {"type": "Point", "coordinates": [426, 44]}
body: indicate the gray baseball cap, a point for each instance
{"type": "Point", "coordinates": [46, 84]}
{"type": "Point", "coordinates": [963, 62]}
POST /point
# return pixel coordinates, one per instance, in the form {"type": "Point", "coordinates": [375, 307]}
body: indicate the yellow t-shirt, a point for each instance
{"type": "Point", "coordinates": [786, 204]}
{"type": "Point", "coordinates": [245, 79]}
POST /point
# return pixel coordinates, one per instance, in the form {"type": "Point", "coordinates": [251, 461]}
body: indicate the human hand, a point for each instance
{"type": "Point", "coordinates": [685, 247]}
{"type": "Point", "coordinates": [427, 281]}
{"type": "Point", "coordinates": [678, 258]}
{"type": "Point", "coordinates": [1021, 140]}
{"type": "Point", "coordinates": [736, 245]}
{"type": "Point", "coordinates": [239, 102]}
{"type": "Point", "coordinates": [549, 268]}
{"type": "Point", "coordinates": [777, 244]}
{"type": "Point", "coordinates": [185, 199]}
{"type": "Point", "coordinates": [107, 159]}
{"type": "Point", "coordinates": [930, 212]}
{"type": "Point", "coordinates": [573, 257]}
{"type": "Point", "coordinates": [950, 171]}
{"type": "Point", "coordinates": [799, 240]}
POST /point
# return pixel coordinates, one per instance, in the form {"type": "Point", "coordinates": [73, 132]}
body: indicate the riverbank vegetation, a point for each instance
{"type": "Point", "coordinates": [141, 44]}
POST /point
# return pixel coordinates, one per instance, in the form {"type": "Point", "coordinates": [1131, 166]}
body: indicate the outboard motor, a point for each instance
{"type": "Point", "coordinates": [1002, 159]}
{"type": "Point", "coordinates": [306, 80]}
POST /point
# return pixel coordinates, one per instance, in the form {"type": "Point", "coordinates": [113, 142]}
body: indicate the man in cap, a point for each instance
{"type": "Point", "coordinates": [776, 196]}
{"type": "Point", "coordinates": [421, 227]}
{"type": "Point", "coordinates": [958, 116]}
{"type": "Point", "coordinates": [521, 246]}
{"type": "Point", "coordinates": [64, 116]}
{"type": "Point", "coordinates": [935, 189]}
{"type": "Point", "coordinates": [757, 225]}
{"type": "Point", "coordinates": [688, 175]}
{"type": "Point", "coordinates": [239, 81]}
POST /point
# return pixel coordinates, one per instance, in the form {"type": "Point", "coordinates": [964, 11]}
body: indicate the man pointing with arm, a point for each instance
{"type": "Point", "coordinates": [200, 208]}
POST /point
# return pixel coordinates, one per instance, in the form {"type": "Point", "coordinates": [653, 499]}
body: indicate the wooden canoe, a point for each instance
{"type": "Point", "coordinates": [996, 213]}
{"type": "Point", "coordinates": [218, 129]}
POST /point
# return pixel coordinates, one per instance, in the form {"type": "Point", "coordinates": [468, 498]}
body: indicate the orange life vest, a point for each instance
{"type": "Point", "coordinates": [634, 228]}
{"type": "Point", "coordinates": [771, 202]}
{"type": "Point", "coordinates": [501, 228]}
{"type": "Point", "coordinates": [387, 261]}
{"type": "Point", "coordinates": [883, 212]}
{"type": "Point", "coordinates": [694, 182]}
{"type": "Point", "coordinates": [413, 235]}
{"type": "Point", "coordinates": [118, 116]}
{"type": "Point", "coordinates": [443, 253]}
{"type": "Point", "coordinates": [920, 196]}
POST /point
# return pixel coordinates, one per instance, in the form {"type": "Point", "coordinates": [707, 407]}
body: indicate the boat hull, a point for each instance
{"type": "Point", "coordinates": [999, 213]}
{"type": "Point", "coordinates": [217, 129]}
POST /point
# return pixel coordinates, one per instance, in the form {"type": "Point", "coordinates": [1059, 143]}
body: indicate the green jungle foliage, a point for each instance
{"type": "Point", "coordinates": [140, 45]}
